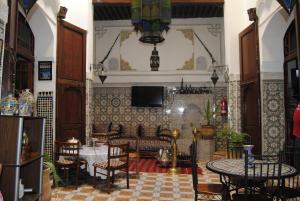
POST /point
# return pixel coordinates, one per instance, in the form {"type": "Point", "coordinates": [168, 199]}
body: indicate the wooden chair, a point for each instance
{"type": "Point", "coordinates": [67, 157]}
{"type": "Point", "coordinates": [117, 159]}
{"type": "Point", "coordinates": [134, 156]}
{"type": "Point", "coordinates": [291, 187]}
{"type": "Point", "coordinates": [207, 191]}
{"type": "Point", "coordinates": [105, 137]}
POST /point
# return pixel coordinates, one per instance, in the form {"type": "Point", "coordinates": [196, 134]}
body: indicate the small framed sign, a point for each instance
{"type": "Point", "coordinates": [45, 70]}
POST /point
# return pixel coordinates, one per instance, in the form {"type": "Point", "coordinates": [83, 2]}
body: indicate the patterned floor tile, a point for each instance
{"type": "Point", "coordinates": [149, 187]}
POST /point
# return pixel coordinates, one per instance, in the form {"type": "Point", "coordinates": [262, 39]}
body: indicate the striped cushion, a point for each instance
{"type": "Point", "coordinates": [65, 162]}
{"type": "Point", "coordinates": [103, 164]}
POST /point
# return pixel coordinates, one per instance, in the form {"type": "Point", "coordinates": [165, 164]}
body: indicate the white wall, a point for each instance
{"type": "Point", "coordinates": [235, 20]}
{"type": "Point", "coordinates": [273, 22]}
{"type": "Point", "coordinates": [43, 22]}
{"type": "Point", "coordinates": [174, 52]}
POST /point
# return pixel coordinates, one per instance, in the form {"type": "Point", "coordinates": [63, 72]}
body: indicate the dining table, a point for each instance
{"type": "Point", "coordinates": [92, 154]}
{"type": "Point", "coordinates": [236, 167]}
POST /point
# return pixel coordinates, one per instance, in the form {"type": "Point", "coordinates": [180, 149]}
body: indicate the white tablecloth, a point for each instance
{"type": "Point", "coordinates": [93, 154]}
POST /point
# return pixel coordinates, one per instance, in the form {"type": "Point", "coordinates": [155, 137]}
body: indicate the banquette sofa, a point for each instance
{"type": "Point", "coordinates": [148, 139]}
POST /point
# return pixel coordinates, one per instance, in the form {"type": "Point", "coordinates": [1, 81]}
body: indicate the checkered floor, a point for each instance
{"type": "Point", "coordinates": [149, 187]}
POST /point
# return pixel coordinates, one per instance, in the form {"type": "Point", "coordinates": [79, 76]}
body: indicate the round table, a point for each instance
{"type": "Point", "coordinates": [236, 167]}
{"type": "Point", "coordinates": [93, 154]}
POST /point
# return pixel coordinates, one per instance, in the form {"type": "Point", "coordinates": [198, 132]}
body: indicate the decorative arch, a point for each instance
{"type": "Point", "coordinates": [271, 45]}
{"type": "Point", "coordinates": [272, 32]}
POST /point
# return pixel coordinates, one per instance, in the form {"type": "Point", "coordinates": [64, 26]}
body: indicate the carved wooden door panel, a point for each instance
{"type": "Point", "coordinates": [70, 100]}
{"type": "Point", "coordinates": [250, 86]}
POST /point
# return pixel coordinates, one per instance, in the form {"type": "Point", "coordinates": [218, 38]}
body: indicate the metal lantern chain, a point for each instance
{"type": "Point", "coordinates": [99, 68]}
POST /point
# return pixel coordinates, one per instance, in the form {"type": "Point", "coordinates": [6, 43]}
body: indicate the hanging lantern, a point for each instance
{"type": "Point", "coordinates": [151, 18]}
{"type": "Point", "coordinates": [223, 106]}
{"type": "Point", "coordinates": [154, 60]}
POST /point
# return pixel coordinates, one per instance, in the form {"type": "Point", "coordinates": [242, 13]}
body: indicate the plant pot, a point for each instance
{"type": "Point", "coordinates": [46, 185]}
{"type": "Point", "coordinates": [207, 131]}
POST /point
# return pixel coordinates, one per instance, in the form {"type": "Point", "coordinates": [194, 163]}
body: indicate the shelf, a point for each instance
{"type": "Point", "coordinates": [34, 156]}
{"type": "Point", "coordinates": [30, 197]}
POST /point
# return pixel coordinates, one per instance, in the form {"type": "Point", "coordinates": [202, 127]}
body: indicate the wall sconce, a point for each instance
{"type": "Point", "coordinates": [99, 68]}
{"type": "Point", "coordinates": [102, 76]}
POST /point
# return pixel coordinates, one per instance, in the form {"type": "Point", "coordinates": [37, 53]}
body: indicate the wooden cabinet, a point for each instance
{"type": "Point", "coordinates": [15, 165]}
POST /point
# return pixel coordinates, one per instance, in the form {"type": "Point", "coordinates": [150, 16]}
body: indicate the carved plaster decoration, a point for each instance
{"type": "Point", "coordinates": [124, 65]}
{"type": "Point", "coordinates": [188, 34]}
{"type": "Point", "coordinates": [188, 65]}
{"type": "Point", "coordinates": [214, 29]}
{"type": "Point", "coordinates": [124, 35]}
{"type": "Point", "coordinates": [62, 13]}
{"type": "Point", "coordinates": [100, 32]}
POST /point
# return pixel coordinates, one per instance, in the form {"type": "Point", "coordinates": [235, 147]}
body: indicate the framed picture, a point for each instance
{"type": "Point", "coordinates": [45, 70]}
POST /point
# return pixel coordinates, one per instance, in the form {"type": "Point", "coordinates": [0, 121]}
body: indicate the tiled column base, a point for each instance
{"type": "Point", "coordinates": [273, 123]}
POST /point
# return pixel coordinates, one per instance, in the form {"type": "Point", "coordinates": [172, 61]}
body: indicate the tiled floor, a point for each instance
{"type": "Point", "coordinates": [149, 187]}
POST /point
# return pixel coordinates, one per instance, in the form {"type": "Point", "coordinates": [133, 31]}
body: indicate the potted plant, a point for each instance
{"type": "Point", "coordinates": [229, 134]}
{"type": "Point", "coordinates": [208, 130]}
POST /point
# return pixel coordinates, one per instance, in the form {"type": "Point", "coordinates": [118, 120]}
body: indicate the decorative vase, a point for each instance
{"type": "Point", "coordinates": [9, 105]}
{"type": "Point", "coordinates": [248, 148]}
{"type": "Point", "coordinates": [164, 157]}
{"type": "Point", "coordinates": [26, 102]}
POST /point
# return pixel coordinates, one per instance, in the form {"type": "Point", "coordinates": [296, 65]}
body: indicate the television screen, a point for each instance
{"type": "Point", "coordinates": [147, 96]}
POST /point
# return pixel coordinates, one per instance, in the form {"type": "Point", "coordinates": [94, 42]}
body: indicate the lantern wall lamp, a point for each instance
{"type": "Point", "coordinates": [99, 68]}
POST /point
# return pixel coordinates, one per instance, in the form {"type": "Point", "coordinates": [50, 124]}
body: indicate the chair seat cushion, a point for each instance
{"type": "Point", "coordinates": [104, 164]}
{"type": "Point", "coordinates": [210, 188]}
{"type": "Point", "coordinates": [134, 155]}
{"type": "Point", "coordinates": [65, 162]}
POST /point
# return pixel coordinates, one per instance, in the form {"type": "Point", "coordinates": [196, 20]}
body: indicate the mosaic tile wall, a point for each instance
{"type": "Point", "coordinates": [234, 105]}
{"type": "Point", "coordinates": [273, 123]}
{"type": "Point", "coordinates": [45, 109]}
{"type": "Point", "coordinates": [113, 104]}
{"type": "Point", "coordinates": [89, 116]}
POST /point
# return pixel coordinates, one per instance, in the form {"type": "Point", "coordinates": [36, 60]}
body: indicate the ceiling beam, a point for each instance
{"type": "Point", "coordinates": [173, 1]}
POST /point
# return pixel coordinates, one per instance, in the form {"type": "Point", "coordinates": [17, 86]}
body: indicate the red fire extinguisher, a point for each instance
{"type": "Point", "coordinates": [223, 106]}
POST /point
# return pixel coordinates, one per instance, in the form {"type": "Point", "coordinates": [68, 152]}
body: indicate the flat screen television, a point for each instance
{"type": "Point", "coordinates": [147, 96]}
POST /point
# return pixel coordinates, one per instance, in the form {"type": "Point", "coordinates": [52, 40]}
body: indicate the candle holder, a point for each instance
{"type": "Point", "coordinates": [174, 169]}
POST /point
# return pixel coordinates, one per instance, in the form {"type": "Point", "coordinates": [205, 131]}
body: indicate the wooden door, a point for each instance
{"type": "Point", "coordinates": [70, 94]}
{"type": "Point", "coordinates": [250, 85]}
